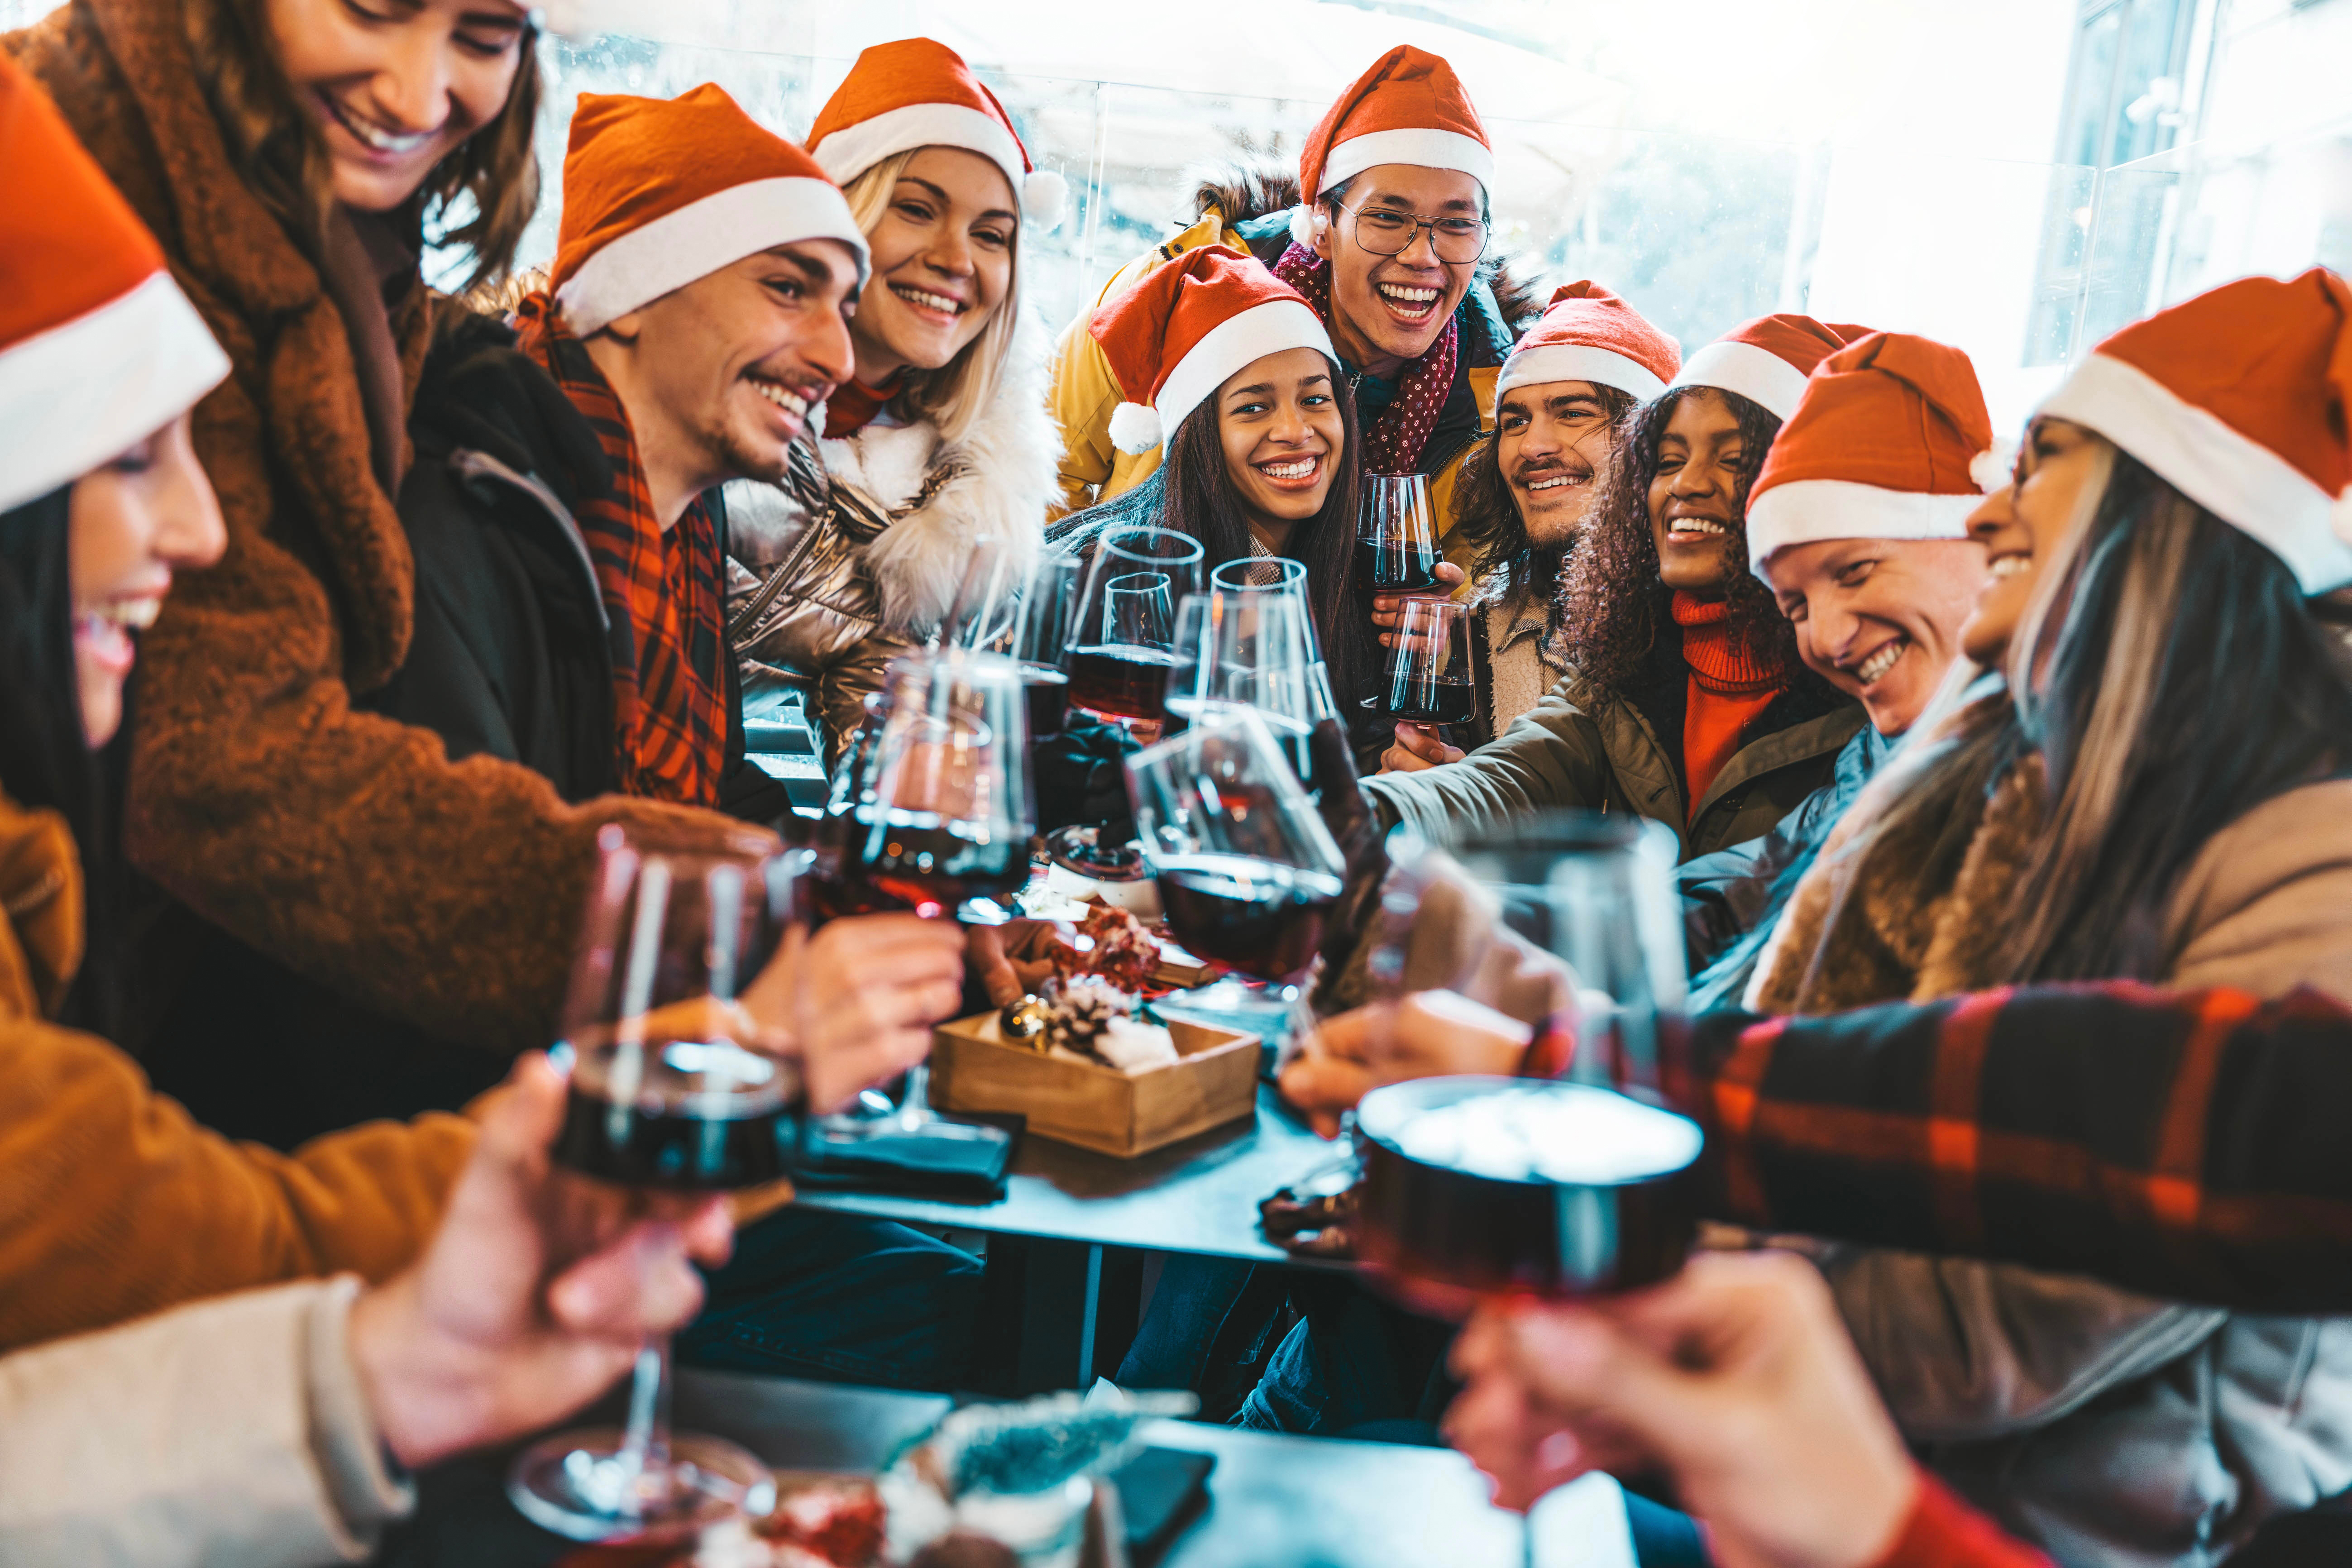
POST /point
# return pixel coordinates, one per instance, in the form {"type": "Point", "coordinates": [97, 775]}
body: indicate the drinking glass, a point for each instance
{"type": "Point", "coordinates": [663, 1095]}
{"type": "Point", "coordinates": [1433, 671]}
{"type": "Point", "coordinates": [1041, 637]}
{"type": "Point", "coordinates": [1246, 870]}
{"type": "Point", "coordinates": [1122, 639]}
{"type": "Point", "coordinates": [1397, 538]}
{"type": "Point", "coordinates": [1252, 646]}
{"type": "Point", "coordinates": [981, 616]}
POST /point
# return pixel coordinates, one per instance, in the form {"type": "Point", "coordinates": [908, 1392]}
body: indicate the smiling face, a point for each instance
{"type": "Point", "coordinates": [1879, 618]}
{"type": "Point", "coordinates": [1390, 309]}
{"type": "Point", "coordinates": [396, 85]}
{"type": "Point", "coordinates": [1695, 506]}
{"type": "Point", "coordinates": [1278, 421]}
{"type": "Point", "coordinates": [719, 376]}
{"type": "Point", "coordinates": [942, 262]}
{"type": "Point", "coordinates": [1550, 439]}
{"type": "Point", "coordinates": [133, 523]}
{"type": "Point", "coordinates": [2020, 526]}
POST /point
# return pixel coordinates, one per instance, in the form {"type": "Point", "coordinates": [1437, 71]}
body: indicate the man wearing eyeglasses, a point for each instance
{"type": "Point", "coordinates": [1389, 242]}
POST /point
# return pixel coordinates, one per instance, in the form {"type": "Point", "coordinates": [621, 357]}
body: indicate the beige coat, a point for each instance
{"type": "Point", "coordinates": [2110, 1428]}
{"type": "Point", "coordinates": [231, 1431]}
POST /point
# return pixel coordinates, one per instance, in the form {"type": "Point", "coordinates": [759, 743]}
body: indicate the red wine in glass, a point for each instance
{"type": "Point", "coordinates": [740, 1141]}
{"type": "Point", "coordinates": [1256, 916]}
{"type": "Point", "coordinates": [1047, 692]}
{"type": "Point", "coordinates": [1435, 702]}
{"type": "Point", "coordinates": [1399, 565]}
{"type": "Point", "coordinates": [1122, 680]}
{"type": "Point", "coordinates": [920, 864]}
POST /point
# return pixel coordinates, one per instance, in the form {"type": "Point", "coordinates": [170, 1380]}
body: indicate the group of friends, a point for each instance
{"type": "Point", "coordinates": [2013, 791]}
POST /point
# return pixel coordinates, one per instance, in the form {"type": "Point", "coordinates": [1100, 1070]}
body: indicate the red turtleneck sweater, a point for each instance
{"type": "Point", "coordinates": [1728, 688]}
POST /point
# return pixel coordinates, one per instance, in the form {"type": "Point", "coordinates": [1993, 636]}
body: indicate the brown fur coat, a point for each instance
{"type": "Point", "coordinates": [342, 843]}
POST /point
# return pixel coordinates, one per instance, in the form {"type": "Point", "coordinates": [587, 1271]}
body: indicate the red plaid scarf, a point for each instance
{"type": "Point", "coordinates": [663, 593]}
{"type": "Point", "coordinates": [1393, 442]}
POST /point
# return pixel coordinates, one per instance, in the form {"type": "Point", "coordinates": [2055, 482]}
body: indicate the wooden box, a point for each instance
{"type": "Point", "coordinates": [1213, 1081]}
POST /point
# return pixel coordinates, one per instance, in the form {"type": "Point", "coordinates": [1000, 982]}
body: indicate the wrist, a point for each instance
{"type": "Point", "coordinates": [426, 1403]}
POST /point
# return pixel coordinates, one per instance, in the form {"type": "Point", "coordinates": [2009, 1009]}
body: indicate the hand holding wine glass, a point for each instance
{"type": "Point", "coordinates": [855, 1000]}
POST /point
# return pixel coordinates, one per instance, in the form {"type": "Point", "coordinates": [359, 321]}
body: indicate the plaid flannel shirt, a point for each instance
{"type": "Point", "coordinates": [2193, 1145]}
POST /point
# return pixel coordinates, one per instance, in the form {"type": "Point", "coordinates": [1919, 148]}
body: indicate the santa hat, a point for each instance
{"type": "Point", "coordinates": [1766, 360]}
{"type": "Point", "coordinates": [660, 192]}
{"type": "Point", "coordinates": [1587, 333]}
{"type": "Point", "coordinates": [1175, 337]}
{"type": "Point", "coordinates": [918, 92]}
{"type": "Point", "coordinates": [1890, 441]}
{"type": "Point", "coordinates": [2239, 400]}
{"type": "Point", "coordinates": [98, 349]}
{"type": "Point", "coordinates": [1408, 109]}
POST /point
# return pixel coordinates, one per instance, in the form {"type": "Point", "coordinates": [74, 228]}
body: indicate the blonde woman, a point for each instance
{"type": "Point", "coordinates": [942, 436]}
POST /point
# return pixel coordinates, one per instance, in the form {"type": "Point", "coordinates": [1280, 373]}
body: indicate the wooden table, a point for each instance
{"type": "Point", "coordinates": [1274, 1502]}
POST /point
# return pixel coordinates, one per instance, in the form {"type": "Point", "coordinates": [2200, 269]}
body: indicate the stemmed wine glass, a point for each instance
{"type": "Point", "coordinates": [946, 827]}
{"type": "Point", "coordinates": [1122, 638]}
{"type": "Point", "coordinates": [664, 1096]}
{"type": "Point", "coordinates": [1041, 638]}
{"type": "Point", "coordinates": [1434, 669]}
{"type": "Point", "coordinates": [1396, 536]}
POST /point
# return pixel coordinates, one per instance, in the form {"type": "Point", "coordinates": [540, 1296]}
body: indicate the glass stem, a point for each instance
{"type": "Point", "coordinates": [644, 1446]}
{"type": "Point", "coordinates": [915, 1106]}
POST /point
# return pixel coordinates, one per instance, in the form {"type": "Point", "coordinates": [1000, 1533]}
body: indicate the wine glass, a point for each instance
{"type": "Point", "coordinates": [1041, 638]}
{"type": "Point", "coordinates": [1434, 669]}
{"type": "Point", "coordinates": [1122, 639]}
{"type": "Point", "coordinates": [1252, 644]}
{"type": "Point", "coordinates": [979, 618]}
{"type": "Point", "coordinates": [1397, 535]}
{"type": "Point", "coordinates": [1247, 872]}
{"type": "Point", "coordinates": [663, 1095]}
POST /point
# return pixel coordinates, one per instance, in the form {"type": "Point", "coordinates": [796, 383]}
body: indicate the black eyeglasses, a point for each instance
{"type": "Point", "coordinates": [1383, 231]}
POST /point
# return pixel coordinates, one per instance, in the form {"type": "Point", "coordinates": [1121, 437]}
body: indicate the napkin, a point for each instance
{"type": "Point", "coordinates": [913, 1163]}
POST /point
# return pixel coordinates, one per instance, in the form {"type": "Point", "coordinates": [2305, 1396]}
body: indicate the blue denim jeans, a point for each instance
{"type": "Point", "coordinates": [839, 1298]}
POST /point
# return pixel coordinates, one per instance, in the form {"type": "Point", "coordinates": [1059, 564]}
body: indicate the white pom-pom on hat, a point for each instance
{"type": "Point", "coordinates": [1044, 195]}
{"type": "Point", "coordinates": [1302, 223]}
{"type": "Point", "coordinates": [1994, 468]}
{"type": "Point", "coordinates": [1134, 429]}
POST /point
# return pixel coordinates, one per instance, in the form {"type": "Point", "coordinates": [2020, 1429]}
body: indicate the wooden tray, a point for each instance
{"type": "Point", "coordinates": [1096, 1107]}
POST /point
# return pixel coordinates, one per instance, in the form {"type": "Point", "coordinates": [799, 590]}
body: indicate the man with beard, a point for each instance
{"type": "Point", "coordinates": [1523, 493]}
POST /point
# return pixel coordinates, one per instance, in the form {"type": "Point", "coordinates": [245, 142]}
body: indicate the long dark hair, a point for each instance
{"type": "Point", "coordinates": [1612, 602]}
{"type": "Point", "coordinates": [46, 760]}
{"type": "Point", "coordinates": [489, 181]}
{"type": "Point", "coordinates": [2173, 677]}
{"type": "Point", "coordinates": [1200, 498]}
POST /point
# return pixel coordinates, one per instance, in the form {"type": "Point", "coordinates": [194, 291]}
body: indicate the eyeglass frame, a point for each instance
{"type": "Point", "coordinates": [1420, 225]}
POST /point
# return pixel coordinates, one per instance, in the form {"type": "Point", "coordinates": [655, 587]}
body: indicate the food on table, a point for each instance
{"type": "Point", "coordinates": [1087, 1017]}
{"type": "Point", "coordinates": [1115, 946]}
{"type": "Point", "coordinates": [1135, 1045]}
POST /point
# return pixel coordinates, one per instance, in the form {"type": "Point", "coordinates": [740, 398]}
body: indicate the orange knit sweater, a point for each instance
{"type": "Point", "coordinates": [1730, 689]}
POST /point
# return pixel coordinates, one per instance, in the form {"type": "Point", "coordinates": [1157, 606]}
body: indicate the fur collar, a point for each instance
{"type": "Point", "coordinates": [1007, 467]}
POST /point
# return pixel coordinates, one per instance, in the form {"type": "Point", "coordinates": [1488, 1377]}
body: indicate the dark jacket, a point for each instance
{"type": "Point", "coordinates": [1731, 898]}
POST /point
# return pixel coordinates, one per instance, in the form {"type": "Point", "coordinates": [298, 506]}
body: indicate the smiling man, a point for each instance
{"type": "Point", "coordinates": [1388, 242]}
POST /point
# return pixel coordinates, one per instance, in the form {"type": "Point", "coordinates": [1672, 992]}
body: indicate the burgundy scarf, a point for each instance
{"type": "Point", "coordinates": [1393, 442]}
{"type": "Point", "coordinates": [669, 694]}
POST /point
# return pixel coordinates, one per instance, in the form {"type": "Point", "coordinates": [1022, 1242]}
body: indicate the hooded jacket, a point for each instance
{"type": "Point", "coordinates": [856, 555]}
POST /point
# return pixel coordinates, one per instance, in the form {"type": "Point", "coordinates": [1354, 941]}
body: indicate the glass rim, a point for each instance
{"type": "Point", "coordinates": [1293, 575]}
{"type": "Point", "coordinates": [1108, 541]}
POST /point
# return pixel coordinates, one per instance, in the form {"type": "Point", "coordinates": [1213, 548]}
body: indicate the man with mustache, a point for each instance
{"type": "Point", "coordinates": [1523, 493]}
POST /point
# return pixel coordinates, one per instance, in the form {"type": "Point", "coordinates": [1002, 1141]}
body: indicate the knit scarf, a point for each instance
{"type": "Point", "coordinates": [854, 404]}
{"type": "Point", "coordinates": [1393, 442]}
{"type": "Point", "coordinates": [663, 593]}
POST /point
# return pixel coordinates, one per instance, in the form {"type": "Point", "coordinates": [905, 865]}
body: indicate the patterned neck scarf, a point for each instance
{"type": "Point", "coordinates": [1393, 442]}
{"type": "Point", "coordinates": [662, 594]}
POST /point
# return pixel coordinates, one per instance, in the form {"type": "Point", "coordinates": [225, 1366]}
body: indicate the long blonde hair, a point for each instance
{"type": "Point", "coordinates": [955, 395]}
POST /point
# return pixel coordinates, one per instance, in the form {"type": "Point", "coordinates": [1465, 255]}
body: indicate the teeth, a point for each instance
{"type": "Point", "coordinates": [1401, 294]}
{"type": "Point", "coordinates": [782, 397]}
{"type": "Point", "coordinates": [131, 614]}
{"type": "Point", "coordinates": [2009, 565]}
{"type": "Point", "coordinates": [1557, 480]}
{"type": "Point", "coordinates": [1695, 525]}
{"type": "Point", "coordinates": [1872, 669]}
{"type": "Point", "coordinates": [1297, 471]}
{"type": "Point", "coordinates": [375, 135]}
{"type": "Point", "coordinates": [927, 300]}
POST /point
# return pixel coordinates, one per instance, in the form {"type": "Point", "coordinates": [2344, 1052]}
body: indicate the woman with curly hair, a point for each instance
{"type": "Point", "coordinates": [1685, 700]}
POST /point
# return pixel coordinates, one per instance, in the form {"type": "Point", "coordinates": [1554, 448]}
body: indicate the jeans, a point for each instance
{"type": "Point", "coordinates": [1352, 1362]}
{"type": "Point", "coordinates": [839, 1298]}
{"type": "Point", "coordinates": [1210, 1325]}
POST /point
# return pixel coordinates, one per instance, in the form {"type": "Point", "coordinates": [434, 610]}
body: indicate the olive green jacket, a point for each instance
{"type": "Point", "coordinates": [1624, 754]}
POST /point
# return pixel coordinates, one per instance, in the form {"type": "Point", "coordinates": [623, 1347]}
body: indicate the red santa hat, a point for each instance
{"type": "Point", "coordinates": [1766, 360]}
{"type": "Point", "coordinates": [1410, 108]}
{"type": "Point", "coordinates": [2239, 399]}
{"type": "Point", "coordinates": [1587, 333]}
{"type": "Point", "coordinates": [660, 192]}
{"type": "Point", "coordinates": [1890, 441]}
{"type": "Point", "coordinates": [918, 92]}
{"type": "Point", "coordinates": [98, 349]}
{"type": "Point", "coordinates": [1191, 323]}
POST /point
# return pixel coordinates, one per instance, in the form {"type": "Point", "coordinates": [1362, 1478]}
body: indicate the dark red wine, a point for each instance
{"type": "Point", "coordinates": [1435, 702]}
{"type": "Point", "coordinates": [705, 1127]}
{"type": "Point", "coordinates": [1263, 919]}
{"type": "Point", "coordinates": [1399, 566]}
{"type": "Point", "coordinates": [920, 864]}
{"type": "Point", "coordinates": [1122, 680]}
{"type": "Point", "coordinates": [1048, 691]}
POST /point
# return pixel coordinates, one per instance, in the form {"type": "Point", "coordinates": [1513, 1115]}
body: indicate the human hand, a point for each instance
{"type": "Point", "coordinates": [1003, 958]}
{"type": "Point", "coordinates": [856, 1002]}
{"type": "Point", "coordinates": [1737, 1377]}
{"type": "Point", "coordinates": [1428, 1034]}
{"type": "Point", "coordinates": [1387, 609]}
{"type": "Point", "coordinates": [1417, 747]}
{"type": "Point", "coordinates": [536, 1293]}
